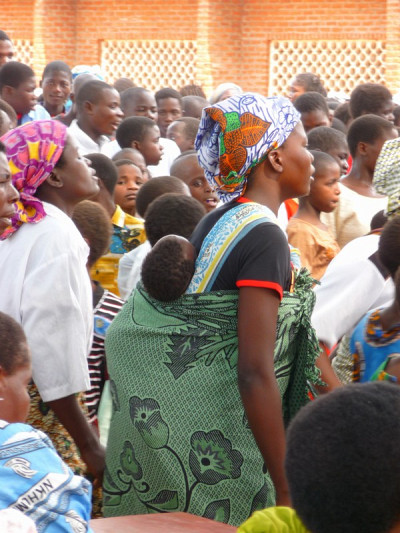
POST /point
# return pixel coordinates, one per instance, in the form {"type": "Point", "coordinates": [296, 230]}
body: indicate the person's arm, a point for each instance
{"type": "Point", "coordinates": [258, 311]}
{"type": "Point", "coordinates": [73, 419]}
{"type": "Point", "coordinates": [328, 375]}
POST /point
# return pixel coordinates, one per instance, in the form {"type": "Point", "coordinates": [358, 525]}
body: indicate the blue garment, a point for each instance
{"type": "Point", "coordinates": [370, 346]}
{"type": "Point", "coordinates": [39, 113]}
{"type": "Point", "coordinates": [35, 481]}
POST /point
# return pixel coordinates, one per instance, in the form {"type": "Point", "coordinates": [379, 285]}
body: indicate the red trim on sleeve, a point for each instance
{"type": "Point", "coordinates": [264, 284]}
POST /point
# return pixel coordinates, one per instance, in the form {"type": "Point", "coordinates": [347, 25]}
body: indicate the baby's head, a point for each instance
{"type": "Point", "coordinates": [168, 269]}
{"type": "Point", "coordinates": [314, 110]}
{"type": "Point", "coordinates": [343, 460]}
{"type": "Point", "coordinates": [332, 142]}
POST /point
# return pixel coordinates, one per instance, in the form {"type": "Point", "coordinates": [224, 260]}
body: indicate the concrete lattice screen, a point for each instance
{"type": "Point", "coordinates": [341, 65]}
{"type": "Point", "coordinates": [150, 64]}
{"type": "Point", "coordinates": [24, 51]}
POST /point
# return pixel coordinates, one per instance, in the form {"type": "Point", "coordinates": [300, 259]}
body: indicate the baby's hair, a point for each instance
{"type": "Point", "coordinates": [130, 95]}
{"type": "Point", "coordinates": [154, 188]}
{"type": "Point", "coordinates": [343, 460]}
{"type": "Point", "coordinates": [5, 106]}
{"type": "Point", "coordinates": [14, 73]}
{"type": "Point", "coordinates": [389, 245]}
{"type": "Point", "coordinates": [172, 214]}
{"type": "Point", "coordinates": [167, 92]}
{"type": "Point", "coordinates": [324, 138]}
{"type": "Point", "coordinates": [14, 352]}
{"type": "Point", "coordinates": [133, 129]}
{"type": "Point", "coordinates": [90, 91]}
{"type": "Point", "coordinates": [310, 82]}
{"type": "Point", "coordinates": [311, 101]}
{"type": "Point", "coordinates": [192, 90]}
{"type": "Point", "coordinates": [191, 126]}
{"type": "Point", "coordinates": [105, 169]}
{"type": "Point", "coordinates": [166, 272]}
{"type": "Point", "coordinates": [378, 220]}
{"type": "Point", "coordinates": [367, 129]}
{"type": "Point", "coordinates": [4, 36]}
{"type": "Point", "coordinates": [368, 98]}
{"type": "Point", "coordinates": [94, 224]}
{"type": "Point", "coordinates": [125, 153]}
{"type": "Point", "coordinates": [56, 66]}
{"type": "Point", "coordinates": [321, 161]}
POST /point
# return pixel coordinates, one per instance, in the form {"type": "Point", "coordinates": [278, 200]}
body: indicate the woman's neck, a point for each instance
{"type": "Point", "coordinates": [390, 316]}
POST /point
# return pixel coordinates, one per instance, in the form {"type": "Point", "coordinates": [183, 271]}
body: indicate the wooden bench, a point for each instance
{"type": "Point", "coordinates": [159, 523]}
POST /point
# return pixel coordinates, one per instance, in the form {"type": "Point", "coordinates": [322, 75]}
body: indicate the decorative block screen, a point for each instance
{"type": "Point", "coordinates": [151, 64]}
{"type": "Point", "coordinates": [24, 52]}
{"type": "Point", "coordinates": [341, 65]}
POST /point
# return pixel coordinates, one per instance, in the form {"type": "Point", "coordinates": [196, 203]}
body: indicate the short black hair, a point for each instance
{"type": "Point", "coordinates": [191, 126]}
{"type": "Point", "coordinates": [105, 169]}
{"type": "Point", "coordinates": [94, 224]}
{"type": "Point", "coordinates": [310, 82]}
{"type": "Point", "coordinates": [172, 214]}
{"type": "Point", "coordinates": [4, 36]}
{"type": "Point", "coordinates": [311, 101]}
{"type": "Point", "coordinates": [192, 106]}
{"type": "Point", "coordinates": [343, 460]}
{"type": "Point", "coordinates": [367, 129]}
{"type": "Point", "coordinates": [131, 94]}
{"type": "Point", "coordinates": [321, 160]}
{"type": "Point", "coordinates": [342, 112]}
{"type": "Point", "coordinates": [154, 188]}
{"type": "Point", "coordinates": [166, 273]}
{"type": "Point", "coordinates": [167, 92]}
{"type": "Point", "coordinates": [192, 90]}
{"type": "Point", "coordinates": [133, 129]}
{"type": "Point", "coordinates": [389, 245]}
{"type": "Point", "coordinates": [368, 98]}
{"type": "Point", "coordinates": [14, 73]}
{"type": "Point", "coordinates": [5, 106]}
{"type": "Point", "coordinates": [91, 92]}
{"type": "Point", "coordinates": [56, 66]}
{"type": "Point", "coordinates": [14, 352]}
{"type": "Point", "coordinates": [324, 138]}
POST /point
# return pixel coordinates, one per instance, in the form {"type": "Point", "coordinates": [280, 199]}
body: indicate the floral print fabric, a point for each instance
{"type": "Point", "coordinates": [236, 134]}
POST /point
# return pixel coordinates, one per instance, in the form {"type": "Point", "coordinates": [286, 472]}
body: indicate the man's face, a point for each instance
{"type": "Point", "coordinates": [106, 113]}
{"type": "Point", "coordinates": [169, 109]}
{"type": "Point", "coordinates": [6, 52]}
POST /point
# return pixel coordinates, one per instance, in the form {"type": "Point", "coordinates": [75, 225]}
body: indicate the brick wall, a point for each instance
{"type": "Point", "coordinates": [232, 36]}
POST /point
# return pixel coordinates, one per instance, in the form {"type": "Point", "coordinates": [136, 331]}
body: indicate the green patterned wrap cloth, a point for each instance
{"type": "Point", "coordinates": [179, 438]}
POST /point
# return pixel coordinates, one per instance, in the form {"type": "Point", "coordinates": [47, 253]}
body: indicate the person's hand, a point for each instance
{"type": "Point", "coordinates": [94, 458]}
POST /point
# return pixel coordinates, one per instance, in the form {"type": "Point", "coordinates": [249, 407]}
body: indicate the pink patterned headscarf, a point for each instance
{"type": "Point", "coordinates": [32, 151]}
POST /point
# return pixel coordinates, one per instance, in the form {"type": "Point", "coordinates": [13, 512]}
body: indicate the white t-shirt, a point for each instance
{"type": "Point", "coordinates": [351, 286]}
{"type": "Point", "coordinates": [130, 268]}
{"type": "Point", "coordinates": [45, 286]}
{"type": "Point", "coordinates": [86, 145]}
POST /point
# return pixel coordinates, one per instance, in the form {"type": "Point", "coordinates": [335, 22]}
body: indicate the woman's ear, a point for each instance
{"type": "Point", "coordinates": [275, 159]}
{"type": "Point", "coordinates": [54, 179]}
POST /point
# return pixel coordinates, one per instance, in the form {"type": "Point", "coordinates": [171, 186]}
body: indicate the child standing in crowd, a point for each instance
{"type": "Point", "coordinates": [130, 179]}
{"type": "Point", "coordinates": [169, 108]}
{"type": "Point", "coordinates": [143, 134]}
{"type": "Point", "coordinates": [183, 131]}
{"type": "Point", "coordinates": [305, 229]}
{"type": "Point", "coordinates": [332, 142]}
{"type": "Point", "coordinates": [313, 109]}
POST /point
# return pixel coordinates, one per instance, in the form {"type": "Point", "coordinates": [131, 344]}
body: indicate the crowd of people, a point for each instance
{"type": "Point", "coordinates": [194, 292]}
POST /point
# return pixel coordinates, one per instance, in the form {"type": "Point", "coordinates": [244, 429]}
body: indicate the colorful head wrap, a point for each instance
{"type": "Point", "coordinates": [387, 175]}
{"type": "Point", "coordinates": [236, 134]}
{"type": "Point", "coordinates": [32, 151]}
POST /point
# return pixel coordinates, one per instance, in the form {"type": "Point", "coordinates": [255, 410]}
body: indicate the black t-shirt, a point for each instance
{"type": "Point", "coordinates": [260, 259]}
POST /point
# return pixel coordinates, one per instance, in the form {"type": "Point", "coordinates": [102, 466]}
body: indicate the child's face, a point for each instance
{"type": "Point", "coordinates": [8, 194]}
{"type": "Point", "coordinates": [130, 179]}
{"type": "Point", "coordinates": [56, 88]}
{"type": "Point", "coordinates": [341, 155]}
{"type": "Point", "coordinates": [175, 133]}
{"type": "Point", "coordinates": [106, 114]}
{"type": "Point", "coordinates": [199, 186]}
{"type": "Point", "coordinates": [150, 147]}
{"type": "Point", "coordinates": [15, 406]}
{"type": "Point", "coordinates": [371, 151]}
{"type": "Point", "coordinates": [315, 118]}
{"type": "Point", "coordinates": [144, 105]}
{"type": "Point", "coordinates": [324, 190]}
{"type": "Point", "coordinates": [169, 109]}
{"type": "Point", "coordinates": [23, 98]}
{"type": "Point", "coordinates": [295, 90]}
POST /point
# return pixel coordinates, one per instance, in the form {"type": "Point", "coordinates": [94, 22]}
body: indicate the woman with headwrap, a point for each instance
{"type": "Point", "coordinates": [44, 283]}
{"type": "Point", "coordinates": [198, 423]}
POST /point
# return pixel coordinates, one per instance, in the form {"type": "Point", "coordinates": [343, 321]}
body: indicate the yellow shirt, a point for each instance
{"type": "Point", "coordinates": [128, 233]}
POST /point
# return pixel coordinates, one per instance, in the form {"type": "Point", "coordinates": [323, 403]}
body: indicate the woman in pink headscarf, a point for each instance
{"type": "Point", "coordinates": [44, 283]}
